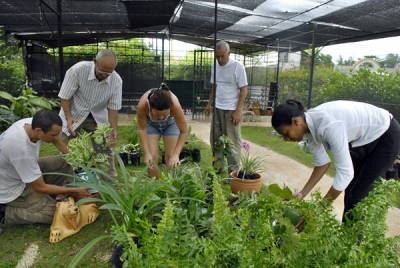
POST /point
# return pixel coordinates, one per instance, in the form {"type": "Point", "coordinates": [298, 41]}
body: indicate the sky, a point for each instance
{"type": "Point", "coordinates": [379, 47]}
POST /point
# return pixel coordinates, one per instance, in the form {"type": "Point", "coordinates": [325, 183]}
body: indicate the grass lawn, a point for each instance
{"type": "Point", "coordinates": [263, 136]}
{"type": "Point", "coordinates": [16, 239]}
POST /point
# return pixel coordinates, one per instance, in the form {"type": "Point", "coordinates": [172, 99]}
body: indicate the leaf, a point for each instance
{"type": "Point", "coordinates": [111, 206]}
{"type": "Point", "coordinates": [41, 102]}
{"type": "Point", "coordinates": [78, 257]}
{"type": "Point", "coordinates": [6, 95]}
{"type": "Point", "coordinates": [292, 214]}
{"type": "Point", "coordinates": [284, 193]}
{"type": "Point", "coordinates": [88, 200]}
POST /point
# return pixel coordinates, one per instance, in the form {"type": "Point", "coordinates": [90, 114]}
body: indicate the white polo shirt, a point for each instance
{"type": "Point", "coordinates": [230, 78]}
{"type": "Point", "coordinates": [333, 125]}
{"type": "Point", "coordinates": [88, 95]}
{"type": "Point", "coordinates": [18, 161]}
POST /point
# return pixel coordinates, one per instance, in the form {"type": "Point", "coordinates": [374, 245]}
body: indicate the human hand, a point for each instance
{"type": "Point", "coordinates": [173, 161]}
{"type": "Point", "coordinates": [80, 193]}
{"type": "Point", "coordinates": [299, 195]}
{"type": "Point", "coordinates": [236, 117]}
{"type": "Point", "coordinates": [148, 160]}
{"type": "Point", "coordinates": [70, 122]}
{"type": "Point", "coordinates": [207, 110]}
{"type": "Point", "coordinates": [114, 137]}
{"type": "Point", "coordinates": [300, 225]}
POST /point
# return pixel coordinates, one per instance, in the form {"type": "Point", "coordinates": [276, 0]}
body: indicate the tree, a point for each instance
{"type": "Point", "coordinates": [12, 70]}
{"type": "Point", "coordinates": [324, 59]}
{"type": "Point", "coordinates": [340, 61]}
{"type": "Point", "coordinates": [349, 62]}
{"type": "Point", "coordinates": [391, 60]}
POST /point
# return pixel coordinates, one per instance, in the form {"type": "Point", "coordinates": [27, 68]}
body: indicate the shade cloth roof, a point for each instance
{"type": "Point", "coordinates": [250, 25]}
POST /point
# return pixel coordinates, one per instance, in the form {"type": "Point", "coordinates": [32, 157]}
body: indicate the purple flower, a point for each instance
{"type": "Point", "coordinates": [245, 145]}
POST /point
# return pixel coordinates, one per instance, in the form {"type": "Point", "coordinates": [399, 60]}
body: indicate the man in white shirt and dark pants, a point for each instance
{"type": "Point", "coordinates": [364, 141]}
{"type": "Point", "coordinates": [91, 94]}
{"type": "Point", "coordinates": [231, 91]}
{"type": "Point", "coordinates": [25, 191]}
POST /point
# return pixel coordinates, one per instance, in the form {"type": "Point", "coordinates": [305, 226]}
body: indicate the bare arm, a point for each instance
{"type": "Point", "coordinates": [332, 194]}
{"type": "Point", "coordinates": [142, 127]}
{"type": "Point", "coordinates": [60, 145]}
{"type": "Point", "coordinates": [315, 177]}
{"type": "Point", "coordinates": [181, 123]}
{"type": "Point", "coordinates": [210, 99]}
{"type": "Point", "coordinates": [40, 186]}
{"type": "Point", "coordinates": [242, 97]}
{"type": "Point", "coordinates": [211, 96]}
{"type": "Point", "coordinates": [66, 106]}
{"type": "Point", "coordinates": [113, 119]}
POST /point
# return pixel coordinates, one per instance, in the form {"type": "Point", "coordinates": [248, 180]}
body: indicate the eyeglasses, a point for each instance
{"type": "Point", "coordinates": [101, 72]}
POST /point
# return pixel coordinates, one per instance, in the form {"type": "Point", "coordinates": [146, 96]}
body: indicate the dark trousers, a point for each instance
{"type": "Point", "coordinates": [370, 162]}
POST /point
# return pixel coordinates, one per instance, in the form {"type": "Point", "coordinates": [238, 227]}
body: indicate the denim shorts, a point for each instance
{"type": "Point", "coordinates": [164, 128]}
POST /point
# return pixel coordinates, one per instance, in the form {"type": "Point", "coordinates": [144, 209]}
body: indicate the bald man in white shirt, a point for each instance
{"type": "Point", "coordinates": [91, 94]}
{"type": "Point", "coordinates": [230, 91]}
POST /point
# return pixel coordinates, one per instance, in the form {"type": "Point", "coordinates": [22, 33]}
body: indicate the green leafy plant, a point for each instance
{"type": "Point", "coordinates": [157, 226]}
{"type": "Point", "coordinates": [130, 148]}
{"type": "Point", "coordinates": [7, 118]}
{"type": "Point", "coordinates": [27, 104]}
{"type": "Point", "coordinates": [250, 166]}
{"type": "Point", "coordinates": [88, 150]}
{"type": "Point", "coordinates": [223, 148]}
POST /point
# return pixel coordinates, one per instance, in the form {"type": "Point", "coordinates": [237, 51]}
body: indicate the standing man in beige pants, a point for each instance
{"type": "Point", "coordinates": [231, 91]}
{"type": "Point", "coordinates": [91, 94]}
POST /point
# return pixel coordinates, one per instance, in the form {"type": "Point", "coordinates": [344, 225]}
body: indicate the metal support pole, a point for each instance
{"type": "Point", "coordinates": [162, 59]}
{"type": "Point", "coordinates": [215, 71]}
{"type": "Point", "coordinates": [194, 85]}
{"type": "Point", "coordinates": [169, 58]}
{"type": "Point", "coordinates": [60, 41]}
{"type": "Point", "coordinates": [266, 68]}
{"type": "Point", "coordinates": [278, 65]}
{"type": "Point", "coordinates": [312, 61]}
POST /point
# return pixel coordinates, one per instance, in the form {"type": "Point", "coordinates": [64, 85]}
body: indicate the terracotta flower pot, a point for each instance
{"type": "Point", "coordinates": [244, 185]}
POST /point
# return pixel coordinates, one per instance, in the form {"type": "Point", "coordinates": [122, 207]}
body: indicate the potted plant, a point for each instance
{"type": "Point", "coordinates": [131, 151]}
{"type": "Point", "coordinates": [185, 153]}
{"type": "Point", "coordinates": [193, 146]}
{"type": "Point", "coordinates": [223, 147]}
{"type": "Point", "coordinates": [248, 178]}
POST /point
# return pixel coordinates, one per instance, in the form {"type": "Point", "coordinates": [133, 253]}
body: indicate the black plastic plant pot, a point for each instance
{"type": "Point", "coordinates": [185, 153]}
{"type": "Point", "coordinates": [135, 158]}
{"type": "Point", "coordinates": [124, 157]}
{"type": "Point", "coordinates": [119, 251]}
{"type": "Point", "coordinates": [196, 156]}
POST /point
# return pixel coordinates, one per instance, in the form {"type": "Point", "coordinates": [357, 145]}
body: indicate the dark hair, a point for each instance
{"type": "Point", "coordinates": [160, 98]}
{"type": "Point", "coordinates": [284, 113]}
{"type": "Point", "coordinates": [45, 119]}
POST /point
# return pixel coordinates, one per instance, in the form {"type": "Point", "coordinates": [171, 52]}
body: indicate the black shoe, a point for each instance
{"type": "Point", "coordinates": [2, 213]}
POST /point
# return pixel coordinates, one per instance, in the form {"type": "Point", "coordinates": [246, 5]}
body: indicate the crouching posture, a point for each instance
{"type": "Point", "coordinates": [26, 190]}
{"type": "Point", "coordinates": [159, 113]}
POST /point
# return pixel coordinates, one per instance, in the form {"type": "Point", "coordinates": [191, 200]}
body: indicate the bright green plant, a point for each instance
{"type": "Point", "coordinates": [7, 118]}
{"type": "Point", "coordinates": [157, 229]}
{"type": "Point", "coordinates": [27, 104]}
{"type": "Point", "coordinates": [249, 165]}
{"type": "Point", "coordinates": [89, 150]}
{"type": "Point", "coordinates": [130, 148]}
{"type": "Point", "coordinates": [223, 148]}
